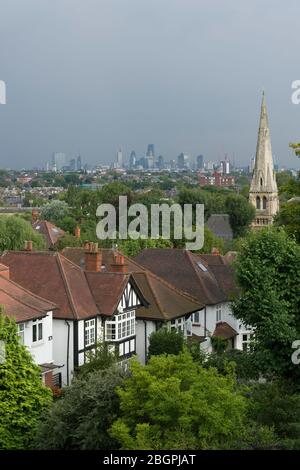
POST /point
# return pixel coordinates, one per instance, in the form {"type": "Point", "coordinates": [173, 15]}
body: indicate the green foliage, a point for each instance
{"type": "Point", "coordinates": [55, 211]}
{"type": "Point", "coordinates": [79, 420]}
{"type": "Point", "coordinates": [102, 357]}
{"type": "Point", "coordinates": [165, 341]}
{"type": "Point", "coordinates": [296, 148]}
{"type": "Point", "coordinates": [289, 218]}
{"type": "Point", "coordinates": [23, 397]}
{"type": "Point", "coordinates": [241, 214]}
{"type": "Point", "coordinates": [68, 240]}
{"type": "Point", "coordinates": [244, 363]}
{"type": "Point", "coordinates": [277, 405]}
{"type": "Point", "coordinates": [14, 231]}
{"type": "Point", "coordinates": [172, 403]}
{"type": "Point", "coordinates": [211, 241]}
{"type": "Point", "coordinates": [133, 247]}
{"type": "Point", "coordinates": [268, 274]}
{"type": "Point", "coordinates": [219, 344]}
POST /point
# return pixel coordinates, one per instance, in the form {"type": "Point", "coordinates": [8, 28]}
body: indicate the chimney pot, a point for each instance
{"type": "Point", "coordinates": [77, 231]}
{"type": "Point", "coordinates": [215, 251]}
{"type": "Point", "coordinates": [28, 245]}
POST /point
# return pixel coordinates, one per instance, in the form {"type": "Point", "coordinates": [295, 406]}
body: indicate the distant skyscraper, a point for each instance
{"type": "Point", "coordinates": [150, 150]}
{"type": "Point", "coordinates": [183, 161]}
{"type": "Point", "coordinates": [132, 159]}
{"type": "Point", "coordinates": [59, 161]}
{"type": "Point", "coordinates": [225, 167]}
{"type": "Point", "coordinates": [160, 162]}
{"type": "Point", "coordinates": [73, 164]}
{"type": "Point", "coordinates": [200, 162]}
{"type": "Point", "coordinates": [119, 159]}
{"type": "Point", "coordinates": [78, 163]}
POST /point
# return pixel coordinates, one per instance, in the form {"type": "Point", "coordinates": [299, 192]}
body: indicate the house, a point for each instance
{"type": "Point", "coordinates": [209, 279]}
{"type": "Point", "coordinates": [49, 231]}
{"type": "Point", "coordinates": [164, 304]}
{"type": "Point", "coordinates": [91, 305]}
{"type": "Point", "coordinates": [33, 316]}
{"type": "Point", "coordinates": [220, 226]}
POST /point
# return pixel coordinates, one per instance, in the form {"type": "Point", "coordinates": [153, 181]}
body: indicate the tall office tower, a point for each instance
{"type": "Point", "coordinates": [225, 167]}
{"type": "Point", "coordinates": [263, 192]}
{"type": "Point", "coordinates": [132, 160]}
{"type": "Point", "coordinates": [200, 162]}
{"type": "Point", "coordinates": [72, 164]}
{"type": "Point", "coordinates": [150, 151]}
{"type": "Point", "coordinates": [78, 163]}
{"type": "Point", "coordinates": [252, 164]}
{"type": "Point", "coordinates": [160, 162]}
{"type": "Point", "coordinates": [119, 159]}
{"type": "Point", "coordinates": [59, 161]}
{"type": "Point", "coordinates": [183, 161]}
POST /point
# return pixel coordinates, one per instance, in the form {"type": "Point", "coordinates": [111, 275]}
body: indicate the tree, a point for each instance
{"type": "Point", "coordinates": [23, 397]}
{"type": "Point", "coordinates": [296, 148]}
{"type": "Point", "coordinates": [80, 419]}
{"type": "Point", "coordinates": [165, 341]}
{"type": "Point", "coordinates": [289, 218]}
{"type": "Point", "coordinates": [100, 358]}
{"type": "Point", "coordinates": [55, 211]}
{"type": "Point", "coordinates": [133, 247]}
{"type": "Point", "coordinates": [172, 403]}
{"type": "Point", "coordinates": [14, 231]}
{"type": "Point", "coordinates": [268, 276]}
{"type": "Point", "coordinates": [68, 240]}
{"type": "Point", "coordinates": [241, 213]}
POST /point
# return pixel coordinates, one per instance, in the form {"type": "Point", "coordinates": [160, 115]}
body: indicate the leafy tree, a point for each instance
{"type": "Point", "coordinates": [165, 341]}
{"type": "Point", "coordinates": [68, 240]}
{"type": "Point", "coordinates": [296, 148]}
{"type": "Point", "coordinates": [55, 211]}
{"type": "Point", "coordinates": [23, 397]}
{"type": "Point", "coordinates": [241, 213]}
{"type": "Point", "coordinates": [211, 241]}
{"type": "Point", "coordinates": [289, 218]}
{"type": "Point", "coordinates": [14, 231]}
{"type": "Point", "coordinates": [172, 403]}
{"type": "Point", "coordinates": [268, 275]}
{"type": "Point", "coordinates": [79, 420]}
{"type": "Point", "coordinates": [133, 247]}
{"type": "Point", "coordinates": [244, 363]}
{"type": "Point", "coordinates": [277, 404]}
{"type": "Point", "coordinates": [102, 357]}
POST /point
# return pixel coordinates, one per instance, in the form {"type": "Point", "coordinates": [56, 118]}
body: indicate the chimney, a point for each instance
{"type": "Point", "coordinates": [28, 245]}
{"type": "Point", "coordinates": [93, 258]}
{"type": "Point", "coordinates": [34, 215]}
{"type": "Point", "coordinates": [86, 245]}
{"type": "Point", "coordinates": [77, 231]}
{"type": "Point", "coordinates": [4, 271]}
{"type": "Point", "coordinates": [215, 251]}
{"type": "Point", "coordinates": [119, 265]}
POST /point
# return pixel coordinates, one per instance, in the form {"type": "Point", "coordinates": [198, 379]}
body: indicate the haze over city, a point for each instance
{"type": "Point", "coordinates": [88, 77]}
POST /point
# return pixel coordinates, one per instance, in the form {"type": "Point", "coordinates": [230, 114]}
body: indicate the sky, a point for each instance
{"type": "Point", "coordinates": [88, 76]}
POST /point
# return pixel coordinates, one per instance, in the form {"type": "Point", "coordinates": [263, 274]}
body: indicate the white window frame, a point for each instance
{"type": "Point", "coordinates": [246, 342]}
{"type": "Point", "coordinates": [219, 312]}
{"type": "Point", "coordinates": [120, 326]}
{"type": "Point", "coordinates": [89, 332]}
{"type": "Point", "coordinates": [37, 326]}
{"type": "Point", "coordinates": [178, 324]}
{"type": "Point", "coordinates": [21, 332]}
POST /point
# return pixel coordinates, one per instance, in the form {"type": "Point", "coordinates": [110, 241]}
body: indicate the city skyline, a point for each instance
{"type": "Point", "coordinates": [91, 77]}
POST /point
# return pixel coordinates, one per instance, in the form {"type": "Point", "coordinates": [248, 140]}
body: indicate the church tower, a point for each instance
{"type": "Point", "coordinates": [263, 192]}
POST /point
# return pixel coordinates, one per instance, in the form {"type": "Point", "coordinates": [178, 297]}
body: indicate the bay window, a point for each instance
{"type": "Point", "coordinates": [120, 326]}
{"type": "Point", "coordinates": [90, 332]}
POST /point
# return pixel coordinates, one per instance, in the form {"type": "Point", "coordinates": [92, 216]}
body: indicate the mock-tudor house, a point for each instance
{"type": "Point", "coordinates": [33, 316]}
{"type": "Point", "coordinates": [163, 304]}
{"type": "Point", "coordinates": [91, 305]}
{"type": "Point", "coordinates": [208, 278]}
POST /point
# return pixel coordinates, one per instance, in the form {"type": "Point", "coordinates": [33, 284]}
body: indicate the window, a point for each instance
{"type": "Point", "coordinates": [264, 202]}
{"type": "Point", "coordinates": [246, 341]}
{"type": "Point", "coordinates": [257, 202]}
{"type": "Point", "coordinates": [196, 317]}
{"type": "Point", "coordinates": [219, 312]}
{"type": "Point", "coordinates": [178, 324]}
{"type": "Point", "coordinates": [37, 330]}
{"type": "Point", "coordinates": [120, 326]}
{"type": "Point", "coordinates": [90, 332]}
{"type": "Point", "coordinates": [202, 267]}
{"type": "Point", "coordinates": [21, 328]}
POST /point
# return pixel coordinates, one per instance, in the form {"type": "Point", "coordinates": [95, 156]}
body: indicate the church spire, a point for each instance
{"type": "Point", "coordinates": [263, 190]}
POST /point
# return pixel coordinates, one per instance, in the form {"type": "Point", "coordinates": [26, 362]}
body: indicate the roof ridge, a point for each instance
{"type": "Point", "coordinates": [22, 302]}
{"type": "Point", "coordinates": [63, 275]}
{"type": "Point", "coordinates": [199, 277]}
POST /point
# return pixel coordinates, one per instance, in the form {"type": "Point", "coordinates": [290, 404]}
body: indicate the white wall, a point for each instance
{"type": "Point", "coordinates": [41, 351]}
{"type": "Point", "coordinates": [60, 341]}
{"type": "Point", "coordinates": [140, 337]}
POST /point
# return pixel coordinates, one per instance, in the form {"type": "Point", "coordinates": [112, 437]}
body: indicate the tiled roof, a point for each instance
{"type": "Point", "coordinates": [107, 289]}
{"type": "Point", "coordinates": [223, 330]}
{"type": "Point", "coordinates": [219, 224]}
{"type": "Point", "coordinates": [165, 300]}
{"type": "Point", "coordinates": [53, 277]}
{"type": "Point", "coordinates": [51, 233]}
{"type": "Point", "coordinates": [21, 304]}
{"type": "Point", "coordinates": [208, 278]}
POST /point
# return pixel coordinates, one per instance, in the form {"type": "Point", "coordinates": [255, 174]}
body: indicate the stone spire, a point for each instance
{"type": "Point", "coordinates": [263, 190]}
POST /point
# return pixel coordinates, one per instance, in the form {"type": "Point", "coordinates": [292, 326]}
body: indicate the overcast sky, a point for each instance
{"type": "Point", "coordinates": [88, 76]}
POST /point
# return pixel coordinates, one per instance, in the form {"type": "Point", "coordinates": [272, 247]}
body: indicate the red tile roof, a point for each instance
{"type": "Point", "coordinates": [53, 277]}
{"type": "Point", "coordinates": [21, 304]}
{"type": "Point", "coordinates": [223, 330]}
{"type": "Point", "coordinates": [107, 289]}
{"type": "Point", "coordinates": [51, 233]}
